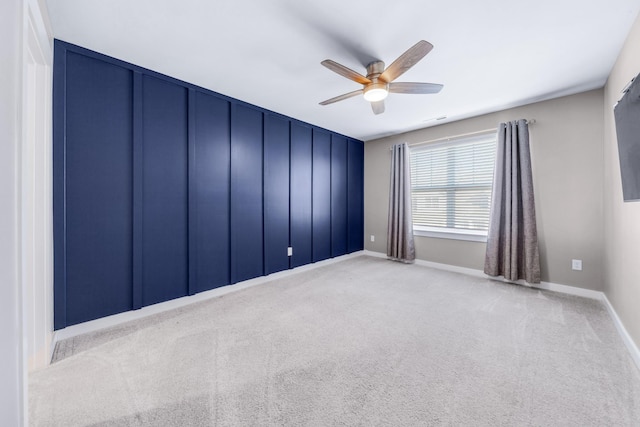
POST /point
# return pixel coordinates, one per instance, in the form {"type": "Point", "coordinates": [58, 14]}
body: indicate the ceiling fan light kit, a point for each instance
{"type": "Point", "coordinates": [379, 81]}
{"type": "Point", "coordinates": [376, 92]}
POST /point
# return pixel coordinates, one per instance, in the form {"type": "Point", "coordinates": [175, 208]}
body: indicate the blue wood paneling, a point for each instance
{"type": "Point", "coordinates": [338, 195]}
{"type": "Point", "coordinates": [210, 192]}
{"type": "Point", "coordinates": [276, 193]}
{"type": "Point", "coordinates": [138, 191]}
{"type": "Point", "coordinates": [192, 191]}
{"type": "Point", "coordinates": [321, 195]}
{"type": "Point", "coordinates": [59, 125]}
{"type": "Point", "coordinates": [246, 194]}
{"type": "Point", "coordinates": [355, 196]}
{"type": "Point", "coordinates": [163, 189]}
{"type": "Point", "coordinates": [98, 189]}
{"type": "Point", "coordinates": [165, 238]}
{"type": "Point", "coordinates": [301, 187]}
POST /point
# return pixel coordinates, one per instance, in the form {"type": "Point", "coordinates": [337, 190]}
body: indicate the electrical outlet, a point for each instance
{"type": "Point", "coordinates": [373, 238]}
{"type": "Point", "coordinates": [289, 251]}
{"type": "Point", "coordinates": [576, 264]}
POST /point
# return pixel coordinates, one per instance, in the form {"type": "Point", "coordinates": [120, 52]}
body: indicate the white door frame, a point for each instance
{"type": "Point", "coordinates": [36, 195]}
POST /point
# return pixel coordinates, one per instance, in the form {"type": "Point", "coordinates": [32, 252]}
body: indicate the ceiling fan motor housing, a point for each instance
{"type": "Point", "coordinates": [374, 70]}
{"type": "Point", "coordinates": [378, 89]}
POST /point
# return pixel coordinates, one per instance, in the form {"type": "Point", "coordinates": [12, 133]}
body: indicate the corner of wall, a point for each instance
{"type": "Point", "coordinates": [621, 226]}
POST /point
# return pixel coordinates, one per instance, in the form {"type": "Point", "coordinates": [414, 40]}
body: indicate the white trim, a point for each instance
{"type": "Point", "coordinates": [37, 17]}
{"type": "Point", "coordinates": [36, 189]}
{"type": "Point", "coordinates": [452, 268]}
{"type": "Point", "coordinates": [450, 233]}
{"type": "Point", "coordinates": [549, 286]}
{"type": "Point", "coordinates": [626, 338]}
{"type": "Point", "coordinates": [117, 319]}
{"type": "Point", "coordinates": [374, 254]}
{"type": "Point", "coordinates": [439, 266]}
{"type": "Point", "coordinates": [555, 287]}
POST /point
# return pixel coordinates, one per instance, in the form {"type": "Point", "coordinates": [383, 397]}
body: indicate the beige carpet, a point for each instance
{"type": "Point", "coordinates": [362, 342]}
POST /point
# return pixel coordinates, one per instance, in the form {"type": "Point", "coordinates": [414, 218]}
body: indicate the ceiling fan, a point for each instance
{"type": "Point", "coordinates": [379, 81]}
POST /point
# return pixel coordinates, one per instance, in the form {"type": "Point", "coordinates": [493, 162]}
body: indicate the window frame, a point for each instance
{"type": "Point", "coordinates": [451, 232]}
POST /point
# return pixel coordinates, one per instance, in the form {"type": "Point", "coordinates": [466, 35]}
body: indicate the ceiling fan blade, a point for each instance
{"type": "Point", "coordinates": [377, 107]}
{"type": "Point", "coordinates": [345, 72]}
{"type": "Point", "coordinates": [406, 61]}
{"type": "Point", "coordinates": [405, 87]}
{"type": "Point", "coordinates": [342, 97]}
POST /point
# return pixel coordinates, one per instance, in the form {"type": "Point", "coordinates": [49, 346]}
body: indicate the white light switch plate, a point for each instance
{"type": "Point", "coordinates": [373, 238]}
{"type": "Point", "coordinates": [576, 264]}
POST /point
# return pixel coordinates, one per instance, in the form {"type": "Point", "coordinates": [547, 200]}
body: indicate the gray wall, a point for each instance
{"type": "Point", "coordinates": [566, 146]}
{"type": "Point", "coordinates": [621, 220]}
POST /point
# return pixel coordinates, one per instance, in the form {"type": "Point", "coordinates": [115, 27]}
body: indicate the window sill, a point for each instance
{"type": "Point", "coordinates": [449, 233]}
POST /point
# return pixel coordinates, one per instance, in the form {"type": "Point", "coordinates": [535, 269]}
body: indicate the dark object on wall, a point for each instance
{"type": "Point", "coordinates": [163, 189]}
{"type": "Point", "coordinates": [627, 115]}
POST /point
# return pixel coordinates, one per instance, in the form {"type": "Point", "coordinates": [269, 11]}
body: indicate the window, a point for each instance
{"type": "Point", "coordinates": [451, 187]}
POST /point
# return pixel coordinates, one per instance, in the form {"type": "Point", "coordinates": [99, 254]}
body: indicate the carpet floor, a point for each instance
{"type": "Point", "coordinates": [362, 342]}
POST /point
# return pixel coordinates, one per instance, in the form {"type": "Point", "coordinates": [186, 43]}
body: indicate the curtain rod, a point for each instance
{"type": "Point", "coordinates": [448, 138]}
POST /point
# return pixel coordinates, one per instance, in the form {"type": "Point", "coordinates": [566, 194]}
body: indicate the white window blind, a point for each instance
{"type": "Point", "coordinates": [451, 184]}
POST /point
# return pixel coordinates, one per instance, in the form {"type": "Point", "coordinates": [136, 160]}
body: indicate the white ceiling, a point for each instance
{"type": "Point", "coordinates": [489, 54]}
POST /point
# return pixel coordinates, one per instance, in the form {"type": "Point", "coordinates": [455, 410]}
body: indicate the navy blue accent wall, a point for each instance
{"type": "Point", "coordinates": [321, 195]}
{"type": "Point", "coordinates": [98, 189]}
{"type": "Point", "coordinates": [276, 193]}
{"type": "Point", "coordinates": [164, 189]}
{"type": "Point", "coordinates": [210, 195]}
{"type": "Point", "coordinates": [355, 195]}
{"type": "Point", "coordinates": [301, 164]}
{"type": "Point", "coordinates": [165, 232]}
{"type": "Point", "coordinates": [338, 195]}
{"type": "Point", "coordinates": [247, 259]}
{"type": "Point", "coordinates": [138, 190]}
{"type": "Point", "coordinates": [59, 127]}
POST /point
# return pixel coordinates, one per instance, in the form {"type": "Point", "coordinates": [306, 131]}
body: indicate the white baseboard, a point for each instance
{"type": "Point", "coordinates": [565, 289]}
{"type": "Point", "coordinates": [626, 338]}
{"type": "Point", "coordinates": [374, 254]}
{"type": "Point", "coordinates": [439, 266]}
{"type": "Point", "coordinates": [127, 316]}
{"type": "Point", "coordinates": [571, 290]}
{"type": "Point", "coordinates": [452, 268]}
{"type": "Point", "coordinates": [116, 319]}
{"type": "Point", "coordinates": [556, 287]}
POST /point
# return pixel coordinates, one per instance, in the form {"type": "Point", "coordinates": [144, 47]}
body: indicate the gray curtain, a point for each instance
{"type": "Point", "coordinates": [512, 243]}
{"type": "Point", "coordinates": [400, 245]}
